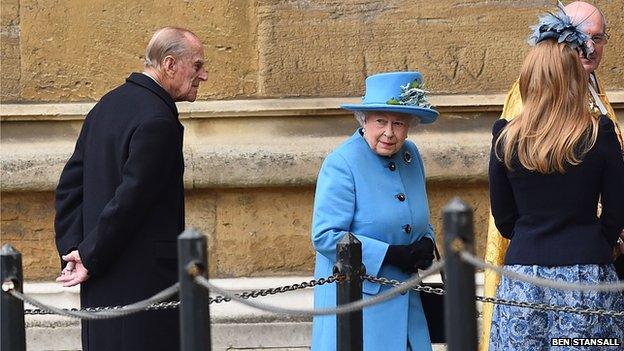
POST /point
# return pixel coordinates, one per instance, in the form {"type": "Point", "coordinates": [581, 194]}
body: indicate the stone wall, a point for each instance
{"type": "Point", "coordinates": [268, 114]}
{"type": "Point", "coordinates": [60, 51]}
{"type": "Point", "coordinates": [251, 232]}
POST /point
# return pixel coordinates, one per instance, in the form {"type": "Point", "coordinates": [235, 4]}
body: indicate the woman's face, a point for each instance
{"type": "Point", "coordinates": [385, 132]}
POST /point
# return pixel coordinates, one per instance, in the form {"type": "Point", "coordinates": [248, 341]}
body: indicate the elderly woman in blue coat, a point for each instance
{"type": "Point", "coordinates": [373, 185]}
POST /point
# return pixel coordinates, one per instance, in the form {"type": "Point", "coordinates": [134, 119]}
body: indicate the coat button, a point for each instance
{"type": "Point", "coordinates": [392, 166]}
{"type": "Point", "coordinates": [400, 197]}
{"type": "Point", "coordinates": [407, 229]}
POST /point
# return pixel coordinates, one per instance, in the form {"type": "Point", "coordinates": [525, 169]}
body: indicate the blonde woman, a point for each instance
{"type": "Point", "coordinates": [592, 21]}
{"type": "Point", "coordinates": [548, 168]}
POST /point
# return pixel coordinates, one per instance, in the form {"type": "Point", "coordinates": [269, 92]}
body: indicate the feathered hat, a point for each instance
{"type": "Point", "coordinates": [559, 26]}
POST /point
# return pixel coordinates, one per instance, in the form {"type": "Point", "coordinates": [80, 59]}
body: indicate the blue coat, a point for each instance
{"type": "Point", "coordinates": [358, 191]}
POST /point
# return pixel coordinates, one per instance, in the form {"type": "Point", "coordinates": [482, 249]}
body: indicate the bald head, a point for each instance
{"type": "Point", "coordinates": [582, 12]}
{"type": "Point", "coordinates": [592, 22]}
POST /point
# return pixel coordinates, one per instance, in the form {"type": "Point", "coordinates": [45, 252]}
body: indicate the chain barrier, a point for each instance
{"type": "Point", "coordinates": [103, 313]}
{"type": "Point", "coordinates": [493, 300]}
{"type": "Point", "coordinates": [346, 308]}
{"type": "Point", "coordinates": [546, 283]}
{"type": "Point", "coordinates": [552, 308]}
{"type": "Point", "coordinates": [272, 291]}
{"type": "Point", "coordinates": [227, 296]}
{"type": "Point", "coordinates": [393, 282]}
{"type": "Point", "coordinates": [217, 299]}
{"type": "Point", "coordinates": [157, 306]}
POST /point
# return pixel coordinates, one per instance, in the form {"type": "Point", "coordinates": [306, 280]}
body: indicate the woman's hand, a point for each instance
{"type": "Point", "coordinates": [409, 258]}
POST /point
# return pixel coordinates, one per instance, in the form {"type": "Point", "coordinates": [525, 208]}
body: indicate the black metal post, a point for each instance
{"type": "Point", "coordinates": [12, 310]}
{"type": "Point", "coordinates": [194, 312]}
{"type": "Point", "coordinates": [460, 309]}
{"type": "Point", "coordinates": [349, 334]}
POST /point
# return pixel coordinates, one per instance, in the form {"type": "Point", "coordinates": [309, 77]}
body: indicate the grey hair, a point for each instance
{"type": "Point", "coordinates": [167, 41]}
{"type": "Point", "coordinates": [360, 116]}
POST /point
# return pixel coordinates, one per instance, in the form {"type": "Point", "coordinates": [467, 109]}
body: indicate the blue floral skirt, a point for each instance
{"type": "Point", "coordinates": [520, 328]}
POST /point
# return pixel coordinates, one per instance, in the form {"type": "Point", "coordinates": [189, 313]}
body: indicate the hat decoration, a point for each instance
{"type": "Point", "coordinates": [396, 92]}
{"type": "Point", "coordinates": [559, 26]}
{"type": "Point", "coordinates": [412, 94]}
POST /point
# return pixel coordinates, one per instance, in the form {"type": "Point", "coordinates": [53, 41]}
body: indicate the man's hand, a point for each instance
{"type": "Point", "coordinates": [74, 272]}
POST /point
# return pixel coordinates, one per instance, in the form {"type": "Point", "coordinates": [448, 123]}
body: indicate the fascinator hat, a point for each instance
{"type": "Point", "coordinates": [400, 92]}
{"type": "Point", "coordinates": [559, 26]}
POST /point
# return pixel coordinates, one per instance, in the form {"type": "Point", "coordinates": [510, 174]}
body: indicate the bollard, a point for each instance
{"type": "Point", "coordinates": [12, 310]}
{"type": "Point", "coordinates": [349, 334]}
{"type": "Point", "coordinates": [460, 309]}
{"type": "Point", "coordinates": [194, 311]}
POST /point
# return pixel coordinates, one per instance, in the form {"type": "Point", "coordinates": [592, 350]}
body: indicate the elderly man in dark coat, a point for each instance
{"type": "Point", "coordinates": [120, 198]}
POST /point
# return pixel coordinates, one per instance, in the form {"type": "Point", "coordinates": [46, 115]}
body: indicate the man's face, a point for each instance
{"type": "Point", "coordinates": [595, 30]}
{"type": "Point", "coordinates": [189, 73]}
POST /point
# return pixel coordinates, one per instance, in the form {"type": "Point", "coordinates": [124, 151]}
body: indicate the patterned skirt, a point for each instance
{"type": "Point", "coordinates": [520, 328]}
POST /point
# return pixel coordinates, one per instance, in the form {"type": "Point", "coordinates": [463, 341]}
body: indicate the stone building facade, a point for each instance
{"type": "Point", "coordinates": [268, 113]}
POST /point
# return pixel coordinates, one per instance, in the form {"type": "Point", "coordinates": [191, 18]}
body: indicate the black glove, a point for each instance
{"type": "Point", "coordinates": [410, 257]}
{"type": "Point", "coordinates": [425, 252]}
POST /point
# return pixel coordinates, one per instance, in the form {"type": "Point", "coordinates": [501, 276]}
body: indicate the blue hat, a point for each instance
{"type": "Point", "coordinates": [400, 92]}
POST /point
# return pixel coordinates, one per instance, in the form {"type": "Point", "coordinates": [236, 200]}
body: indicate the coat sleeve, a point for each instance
{"type": "Point", "coordinates": [430, 231]}
{"type": "Point", "coordinates": [68, 201]}
{"type": "Point", "coordinates": [334, 208]}
{"type": "Point", "coordinates": [153, 153]}
{"type": "Point", "coordinates": [502, 199]}
{"type": "Point", "coordinates": [612, 193]}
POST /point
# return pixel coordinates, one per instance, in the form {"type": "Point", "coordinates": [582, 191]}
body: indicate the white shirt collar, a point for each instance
{"type": "Point", "coordinates": [154, 79]}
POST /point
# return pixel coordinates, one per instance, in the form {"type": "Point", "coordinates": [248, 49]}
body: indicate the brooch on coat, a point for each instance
{"type": "Point", "coordinates": [407, 157]}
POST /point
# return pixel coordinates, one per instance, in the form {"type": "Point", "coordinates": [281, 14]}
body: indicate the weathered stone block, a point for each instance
{"type": "Point", "coordinates": [74, 50]}
{"type": "Point", "coordinates": [201, 213]}
{"type": "Point", "coordinates": [77, 50]}
{"type": "Point", "coordinates": [475, 194]}
{"type": "Point", "coordinates": [326, 48]}
{"type": "Point", "coordinates": [28, 225]}
{"type": "Point", "coordinates": [9, 51]}
{"type": "Point", "coordinates": [264, 232]}
{"type": "Point", "coordinates": [9, 13]}
{"type": "Point", "coordinates": [251, 232]}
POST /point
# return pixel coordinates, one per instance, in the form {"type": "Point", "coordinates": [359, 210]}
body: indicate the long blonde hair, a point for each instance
{"type": "Point", "coordinates": [554, 127]}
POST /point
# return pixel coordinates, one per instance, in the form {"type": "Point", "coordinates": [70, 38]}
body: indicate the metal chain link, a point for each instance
{"type": "Point", "coordinates": [394, 282]}
{"type": "Point", "coordinates": [282, 289]}
{"type": "Point", "coordinates": [552, 308]}
{"type": "Point", "coordinates": [536, 306]}
{"type": "Point", "coordinates": [103, 312]}
{"type": "Point", "coordinates": [216, 299]}
{"type": "Point", "coordinates": [346, 308]}
{"type": "Point", "coordinates": [158, 306]}
{"type": "Point", "coordinates": [542, 282]}
{"type": "Point", "coordinates": [336, 277]}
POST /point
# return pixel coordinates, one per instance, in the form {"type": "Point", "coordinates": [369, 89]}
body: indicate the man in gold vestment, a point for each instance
{"type": "Point", "coordinates": [595, 27]}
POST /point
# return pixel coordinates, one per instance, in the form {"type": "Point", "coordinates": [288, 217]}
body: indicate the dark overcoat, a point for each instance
{"type": "Point", "coordinates": [120, 202]}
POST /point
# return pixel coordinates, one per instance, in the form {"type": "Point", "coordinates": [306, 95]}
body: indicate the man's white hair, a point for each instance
{"type": "Point", "coordinates": [167, 41]}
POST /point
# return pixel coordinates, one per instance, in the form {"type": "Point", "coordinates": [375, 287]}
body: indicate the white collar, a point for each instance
{"type": "Point", "coordinates": [154, 79]}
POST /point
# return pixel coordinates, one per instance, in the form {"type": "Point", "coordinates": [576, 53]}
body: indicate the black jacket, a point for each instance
{"type": "Point", "coordinates": [551, 218]}
{"type": "Point", "coordinates": [120, 202]}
